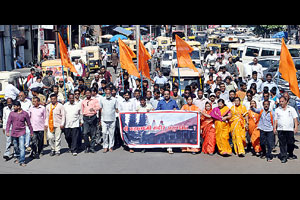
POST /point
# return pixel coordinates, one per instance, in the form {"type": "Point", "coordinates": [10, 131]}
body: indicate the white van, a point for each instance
{"type": "Point", "coordinates": [79, 54]}
{"type": "Point", "coordinates": [255, 49]}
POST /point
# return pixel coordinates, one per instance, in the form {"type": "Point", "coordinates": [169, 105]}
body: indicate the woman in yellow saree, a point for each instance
{"type": "Point", "coordinates": [238, 126]}
{"type": "Point", "coordinates": [222, 114]}
{"type": "Point", "coordinates": [253, 131]}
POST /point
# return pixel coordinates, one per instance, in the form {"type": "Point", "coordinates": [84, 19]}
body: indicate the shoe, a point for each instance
{"type": "Point", "coordinates": [292, 157]}
{"type": "Point", "coordinates": [284, 160]}
{"type": "Point", "coordinates": [86, 150]}
{"type": "Point", "coordinates": [37, 156]}
{"type": "Point", "coordinates": [57, 153]}
{"type": "Point", "coordinates": [193, 153]}
{"type": "Point", "coordinates": [52, 153]}
{"type": "Point", "coordinates": [269, 159]}
{"type": "Point", "coordinates": [6, 158]}
{"type": "Point", "coordinates": [105, 150]}
{"type": "Point", "coordinates": [74, 154]}
{"type": "Point", "coordinates": [262, 156]}
{"type": "Point", "coordinates": [28, 149]}
{"type": "Point", "coordinates": [92, 151]}
{"type": "Point", "coordinates": [241, 155]}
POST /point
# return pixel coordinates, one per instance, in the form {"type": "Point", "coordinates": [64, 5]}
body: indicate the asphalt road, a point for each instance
{"type": "Point", "coordinates": [154, 161]}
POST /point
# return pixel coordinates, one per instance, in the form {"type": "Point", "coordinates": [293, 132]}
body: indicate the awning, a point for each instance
{"type": "Point", "coordinates": [123, 31]}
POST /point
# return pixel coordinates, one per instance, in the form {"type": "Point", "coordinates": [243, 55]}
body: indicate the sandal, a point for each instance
{"type": "Point", "coordinates": [23, 164]}
{"type": "Point", "coordinates": [16, 161]}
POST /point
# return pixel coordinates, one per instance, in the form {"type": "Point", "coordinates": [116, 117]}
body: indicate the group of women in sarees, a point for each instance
{"type": "Point", "coordinates": [218, 124]}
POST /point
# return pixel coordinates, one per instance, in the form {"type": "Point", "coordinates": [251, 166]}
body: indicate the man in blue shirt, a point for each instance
{"type": "Point", "coordinates": [265, 125]}
{"type": "Point", "coordinates": [167, 104]}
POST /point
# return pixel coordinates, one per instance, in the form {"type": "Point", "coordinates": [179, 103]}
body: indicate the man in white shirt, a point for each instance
{"type": "Point", "coordinates": [11, 91]}
{"type": "Point", "coordinates": [79, 69]}
{"type": "Point", "coordinates": [224, 93]}
{"type": "Point", "coordinates": [230, 102]}
{"type": "Point", "coordinates": [248, 99]}
{"type": "Point", "coordinates": [73, 122]}
{"type": "Point", "coordinates": [200, 101]}
{"type": "Point", "coordinates": [211, 57]}
{"type": "Point", "coordinates": [143, 106]}
{"type": "Point", "coordinates": [266, 97]}
{"type": "Point", "coordinates": [223, 73]}
{"type": "Point", "coordinates": [258, 68]}
{"type": "Point", "coordinates": [136, 99]}
{"type": "Point", "coordinates": [270, 84]}
{"type": "Point", "coordinates": [286, 124]}
{"type": "Point", "coordinates": [240, 66]}
{"type": "Point", "coordinates": [6, 111]}
{"type": "Point", "coordinates": [255, 80]}
{"type": "Point", "coordinates": [160, 79]}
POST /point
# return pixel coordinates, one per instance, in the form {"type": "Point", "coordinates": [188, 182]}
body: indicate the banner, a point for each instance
{"type": "Point", "coordinates": [160, 129]}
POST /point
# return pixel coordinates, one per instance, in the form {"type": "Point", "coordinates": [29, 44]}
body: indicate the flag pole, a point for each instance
{"type": "Point", "coordinates": [179, 79]}
{"type": "Point", "coordinates": [137, 35]}
{"type": "Point", "coordinates": [64, 83]}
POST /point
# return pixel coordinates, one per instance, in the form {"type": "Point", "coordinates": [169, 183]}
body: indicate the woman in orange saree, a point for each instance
{"type": "Point", "coordinates": [253, 131]}
{"type": "Point", "coordinates": [221, 115]}
{"type": "Point", "coordinates": [208, 130]}
{"type": "Point", "coordinates": [238, 126]}
{"type": "Point", "coordinates": [190, 107]}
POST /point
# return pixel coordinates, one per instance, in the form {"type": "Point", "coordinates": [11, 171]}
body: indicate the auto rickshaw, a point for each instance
{"type": "Point", "coordinates": [94, 57]}
{"type": "Point", "coordinates": [163, 42]}
{"type": "Point", "coordinates": [187, 76]}
{"type": "Point", "coordinates": [55, 66]}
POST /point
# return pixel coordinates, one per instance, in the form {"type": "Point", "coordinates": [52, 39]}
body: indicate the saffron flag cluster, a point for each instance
{"type": "Point", "coordinates": [183, 50]}
{"type": "Point", "coordinates": [126, 56]}
{"type": "Point", "coordinates": [287, 69]}
{"type": "Point", "coordinates": [65, 60]}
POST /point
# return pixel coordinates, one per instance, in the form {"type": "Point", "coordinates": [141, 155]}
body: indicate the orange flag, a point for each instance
{"type": "Point", "coordinates": [287, 69]}
{"type": "Point", "coordinates": [144, 56]}
{"type": "Point", "coordinates": [65, 60]}
{"type": "Point", "coordinates": [126, 55]}
{"type": "Point", "coordinates": [183, 54]}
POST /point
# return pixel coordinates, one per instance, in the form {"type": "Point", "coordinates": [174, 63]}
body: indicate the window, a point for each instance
{"type": "Point", "coordinates": [267, 52]}
{"type": "Point", "coordinates": [294, 52]}
{"type": "Point", "coordinates": [297, 64]}
{"type": "Point", "coordinates": [252, 51]}
{"type": "Point", "coordinates": [264, 63]}
{"type": "Point", "coordinates": [91, 55]}
{"type": "Point", "coordinates": [0, 86]}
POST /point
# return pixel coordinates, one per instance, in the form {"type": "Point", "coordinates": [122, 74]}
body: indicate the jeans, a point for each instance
{"type": "Point", "coordinates": [19, 147]}
{"type": "Point", "coordinates": [27, 137]}
{"type": "Point", "coordinates": [90, 129]}
{"type": "Point", "coordinates": [286, 143]}
{"type": "Point", "coordinates": [266, 140]}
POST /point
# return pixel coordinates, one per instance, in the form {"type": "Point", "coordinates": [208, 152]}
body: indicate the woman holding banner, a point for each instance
{"type": "Point", "coordinates": [238, 126]}
{"type": "Point", "coordinates": [222, 114]}
{"type": "Point", "coordinates": [190, 107]}
{"type": "Point", "coordinates": [208, 130]}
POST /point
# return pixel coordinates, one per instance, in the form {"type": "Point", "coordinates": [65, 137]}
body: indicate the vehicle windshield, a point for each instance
{"type": "Point", "coordinates": [194, 55]}
{"type": "Point", "coordinates": [166, 56]}
{"type": "Point", "coordinates": [294, 52]}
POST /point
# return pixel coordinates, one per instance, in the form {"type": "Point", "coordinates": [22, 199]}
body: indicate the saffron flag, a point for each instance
{"type": "Point", "coordinates": [144, 56]}
{"type": "Point", "coordinates": [287, 69]}
{"type": "Point", "coordinates": [65, 60]}
{"type": "Point", "coordinates": [126, 55]}
{"type": "Point", "coordinates": [183, 54]}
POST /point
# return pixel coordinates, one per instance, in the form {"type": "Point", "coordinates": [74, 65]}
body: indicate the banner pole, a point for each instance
{"type": "Point", "coordinates": [179, 80]}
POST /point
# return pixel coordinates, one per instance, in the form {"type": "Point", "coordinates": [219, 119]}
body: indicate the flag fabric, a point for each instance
{"type": "Point", "coordinates": [183, 54]}
{"type": "Point", "coordinates": [126, 55]}
{"type": "Point", "coordinates": [288, 70]}
{"type": "Point", "coordinates": [65, 60]}
{"type": "Point", "coordinates": [144, 56]}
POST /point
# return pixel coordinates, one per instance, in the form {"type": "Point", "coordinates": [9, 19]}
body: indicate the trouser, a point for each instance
{"type": "Point", "coordinates": [118, 139]}
{"type": "Point", "coordinates": [27, 137]}
{"type": "Point", "coordinates": [108, 128]}
{"type": "Point", "coordinates": [8, 145]}
{"type": "Point", "coordinates": [266, 141]}
{"type": "Point", "coordinates": [55, 139]}
{"type": "Point", "coordinates": [286, 143]}
{"type": "Point", "coordinates": [90, 130]}
{"type": "Point", "coordinates": [37, 142]}
{"type": "Point", "coordinates": [71, 135]}
{"type": "Point", "coordinates": [19, 147]}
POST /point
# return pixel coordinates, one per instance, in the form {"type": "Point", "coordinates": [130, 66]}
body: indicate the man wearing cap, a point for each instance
{"type": "Point", "coordinates": [96, 80]}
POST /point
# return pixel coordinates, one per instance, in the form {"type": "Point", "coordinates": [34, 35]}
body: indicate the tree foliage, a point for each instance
{"type": "Point", "coordinates": [267, 29]}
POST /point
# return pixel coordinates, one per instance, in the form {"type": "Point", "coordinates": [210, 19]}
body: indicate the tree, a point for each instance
{"type": "Point", "coordinates": [263, 30]}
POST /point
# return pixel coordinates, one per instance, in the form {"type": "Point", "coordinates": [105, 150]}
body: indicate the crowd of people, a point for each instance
{"type": "Point", "coordinates": [239, 113]}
